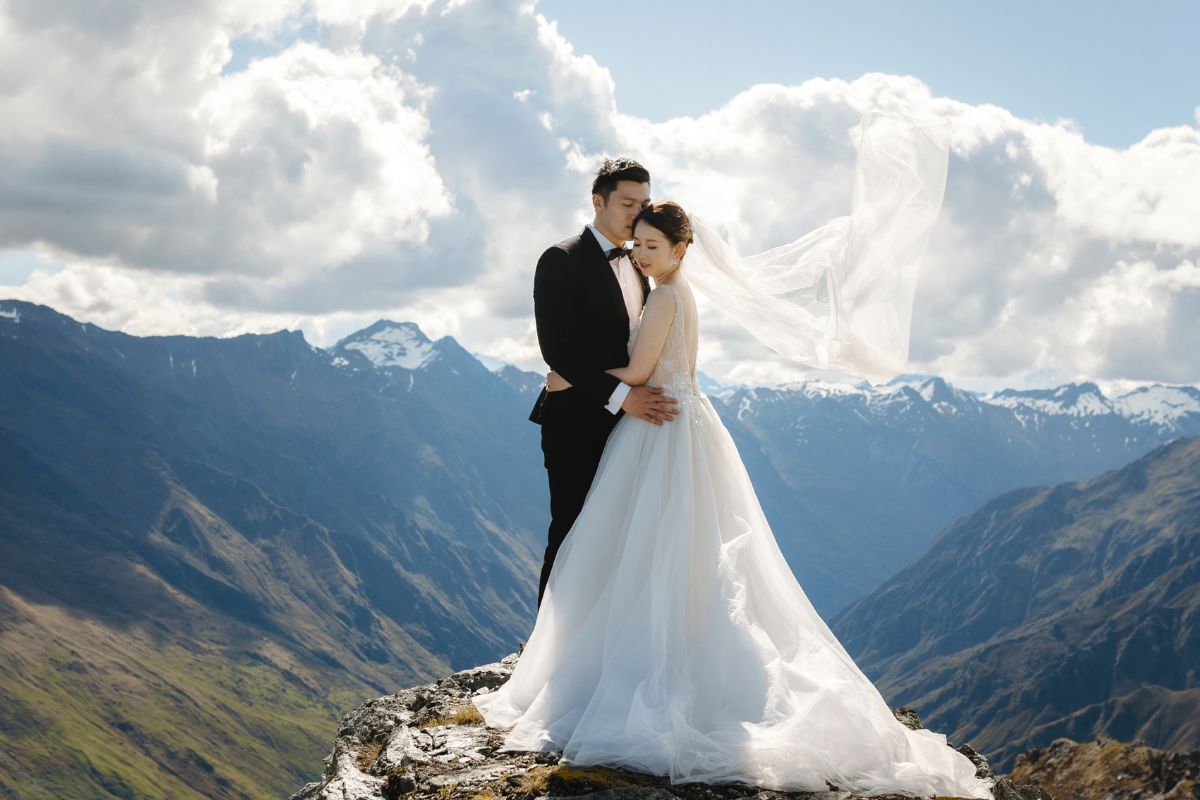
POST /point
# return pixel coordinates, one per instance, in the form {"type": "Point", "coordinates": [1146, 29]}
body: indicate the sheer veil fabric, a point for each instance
{"type": "Point", "coordinates": [673, 637]}
{"type": "Point", "coordinates": [841, 296]}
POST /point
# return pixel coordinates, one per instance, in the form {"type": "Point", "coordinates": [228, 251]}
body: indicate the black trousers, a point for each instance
{"type": "Point", "coordinates": [573, 437]}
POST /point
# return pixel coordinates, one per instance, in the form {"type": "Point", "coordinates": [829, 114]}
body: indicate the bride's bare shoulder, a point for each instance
{"type": "Point", "coordinates": [662, 299]}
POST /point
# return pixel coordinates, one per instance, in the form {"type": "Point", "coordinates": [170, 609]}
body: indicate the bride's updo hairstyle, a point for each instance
{"type": "Point", "coordinates": [668, 217]}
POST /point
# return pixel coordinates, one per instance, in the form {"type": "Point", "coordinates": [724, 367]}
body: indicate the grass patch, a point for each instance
{"type": "Point", "coordinates": [463, 715]}
{"type": "Point", "coordinates": [147, 719]}
{"type": "Point", "coordinates": [367, 754]}
{"type": "Point", "coordinates": [559, 780]}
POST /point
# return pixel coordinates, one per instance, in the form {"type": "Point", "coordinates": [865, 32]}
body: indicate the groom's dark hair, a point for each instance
{"type": "Point", "coordinates": [618, 169]}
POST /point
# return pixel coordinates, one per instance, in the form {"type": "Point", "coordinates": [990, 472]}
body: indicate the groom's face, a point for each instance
{"type": "Point", "coordinates": [614, 217]}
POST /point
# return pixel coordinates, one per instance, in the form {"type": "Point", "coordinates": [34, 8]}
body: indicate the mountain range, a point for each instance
{"type": "Point", "coordinates": [209, 548]}
{"type": "Point", "coordinates": [856, 480]}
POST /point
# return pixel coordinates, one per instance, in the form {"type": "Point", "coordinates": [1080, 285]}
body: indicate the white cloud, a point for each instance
{"type": "Point", "coordinates": [1148, 192]}
{"type": "Point", "coordinates": [134, 147]}
{"type": "Point", "coordinates": [318, 157]}
{"type": "Point", "coordinates": [1138, 308]}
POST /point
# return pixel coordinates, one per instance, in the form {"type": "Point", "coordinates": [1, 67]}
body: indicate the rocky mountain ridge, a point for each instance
{"type": "Point", "coordinates": [429, 743]}
{"type": "Point", "coordinates": [1071, 610]}
{"type": "Point", "coordinates": [1104, 769]}
{"type": "Point", "coordinates": [209, 548]}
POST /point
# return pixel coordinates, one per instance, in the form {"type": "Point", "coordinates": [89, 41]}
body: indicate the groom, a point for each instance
{"type": "Point", "coordinates": [587, 296]}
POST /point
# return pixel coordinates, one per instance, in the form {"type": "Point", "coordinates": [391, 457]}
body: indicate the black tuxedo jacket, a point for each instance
{"type": "Point", "coordinates": [582, 322]}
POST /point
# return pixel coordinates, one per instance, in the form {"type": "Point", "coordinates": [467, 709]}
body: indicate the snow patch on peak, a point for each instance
{"type": "Point", "coordinates": [820, 388]}
{"type": "Point", "coordinates": [915, 383]}
{"type": "Point", "coordinates": [898, 381]}
{"type": "Point", "coordinates": [12, 313]}
{"type": "Point", "coordinates": [1158, 404]}
{"type": "Point", "coordinates": [1073, 399]}
{"type": "Point", "coordinates": [935, 391]}
{"type": "Point", "coordinates": [390, 344]}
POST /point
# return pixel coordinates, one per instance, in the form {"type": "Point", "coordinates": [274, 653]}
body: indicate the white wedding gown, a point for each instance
{"type": "Point", "coordinates": [674, 639]}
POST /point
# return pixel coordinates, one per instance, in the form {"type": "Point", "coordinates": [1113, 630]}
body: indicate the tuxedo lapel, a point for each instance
{"type": "Point", "coordinates": [599, 265]}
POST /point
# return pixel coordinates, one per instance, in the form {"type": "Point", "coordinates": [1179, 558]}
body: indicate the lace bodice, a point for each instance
{"type": "Point", "coordinates": [674, 371]}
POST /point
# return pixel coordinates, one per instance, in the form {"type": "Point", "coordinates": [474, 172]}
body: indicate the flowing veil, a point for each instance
{"type": "Point", "coordinates": [841, 296]}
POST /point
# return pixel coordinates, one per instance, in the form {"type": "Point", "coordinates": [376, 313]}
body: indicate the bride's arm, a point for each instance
{"type": "Point", "coordinates": [652, 335]}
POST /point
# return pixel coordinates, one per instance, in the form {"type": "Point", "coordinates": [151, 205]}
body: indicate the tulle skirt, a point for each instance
{"type": "Point", "coordinates": [674, 639]}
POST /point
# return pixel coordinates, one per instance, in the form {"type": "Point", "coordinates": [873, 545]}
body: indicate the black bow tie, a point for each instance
{"type": "Point", "coordinates": [617, 252]}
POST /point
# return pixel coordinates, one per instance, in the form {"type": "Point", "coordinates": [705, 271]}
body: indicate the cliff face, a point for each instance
{"type": "Point", "coordinates": [1064, 611]}
{"type": "Point", "coordinates": [429, 743]}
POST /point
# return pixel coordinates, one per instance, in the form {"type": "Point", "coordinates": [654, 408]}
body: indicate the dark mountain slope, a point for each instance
{"type": "Point", "coordinates": [1071, 610]}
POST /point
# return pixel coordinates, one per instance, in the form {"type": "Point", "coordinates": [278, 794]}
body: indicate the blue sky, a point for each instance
{"type": "Point", "coordinates": [1118, 69]}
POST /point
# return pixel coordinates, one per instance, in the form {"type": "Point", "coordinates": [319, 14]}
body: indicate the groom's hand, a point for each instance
{"type": "Point", "coordinates": [650, 404]}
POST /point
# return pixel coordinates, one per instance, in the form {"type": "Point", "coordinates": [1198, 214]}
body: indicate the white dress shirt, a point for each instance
{"type": "Point", "coordinates": [631, 291]}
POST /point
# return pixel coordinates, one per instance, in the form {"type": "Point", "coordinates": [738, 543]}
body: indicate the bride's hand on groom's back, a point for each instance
{"type": "Point", "coordinates": [650, 404]}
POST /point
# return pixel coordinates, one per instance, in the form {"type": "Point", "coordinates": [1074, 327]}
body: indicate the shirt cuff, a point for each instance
{"type": "Point", "coordinates": [617, 398]}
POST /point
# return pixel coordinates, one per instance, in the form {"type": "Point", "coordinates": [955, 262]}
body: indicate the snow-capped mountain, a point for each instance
{"type": "Point", "coordinates": [1172, 407]}
{"type": "Point", "coordinates": [1168, 408]}
{"type": "Point", "coordinates": [1160, 405]}
{"type": "Point", "coordinates": [856, 479]}
{"type": "Point", "coordinates": [388, 344]}
{"type": "Point", "coordinates": [1074, 399]}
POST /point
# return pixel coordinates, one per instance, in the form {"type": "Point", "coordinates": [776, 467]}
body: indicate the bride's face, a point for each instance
{"type": "Point", "coordinates": [653, 252]}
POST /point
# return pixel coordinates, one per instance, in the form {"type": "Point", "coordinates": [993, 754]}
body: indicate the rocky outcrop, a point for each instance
{"type": "Point", "coordinates": [1066, 611]}
{"type": "Point", "coordinates": [429, 743]}
{"type": "Point", "coordinates": [1105, 768]}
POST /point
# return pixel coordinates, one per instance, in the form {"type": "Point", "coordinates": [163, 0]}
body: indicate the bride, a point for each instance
{"type": "Point", "coordinates": [673, 637]}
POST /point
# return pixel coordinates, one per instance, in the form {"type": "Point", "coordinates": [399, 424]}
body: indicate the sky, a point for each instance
{"type": "Point", "coordinates": [218, 167]}
{"type": "Point", "coordinates": [1106, 65]}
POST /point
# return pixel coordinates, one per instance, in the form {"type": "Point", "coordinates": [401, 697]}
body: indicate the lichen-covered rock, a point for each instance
{"type": "Point", "coordinates": [1105, 768]}
{"type": "Point", "coordinates": [429, 743]}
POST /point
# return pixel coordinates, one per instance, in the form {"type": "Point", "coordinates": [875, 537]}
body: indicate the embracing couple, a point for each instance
{"type": "Point", "coordinates": [671, 635]}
